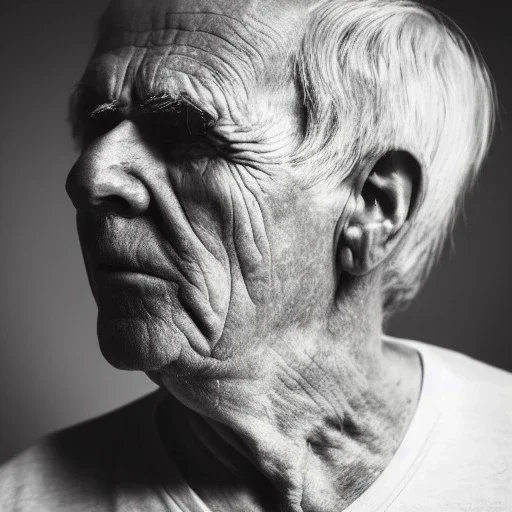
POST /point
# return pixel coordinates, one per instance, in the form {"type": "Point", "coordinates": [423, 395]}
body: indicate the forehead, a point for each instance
{"type": "Point", "coordinates": [208, 49]}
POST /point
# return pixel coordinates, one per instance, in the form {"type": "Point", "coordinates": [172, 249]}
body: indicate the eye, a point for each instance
{"type": "Point", "coordinates": [178, 129]}
{"type": "Point", "coordinates": [98, 123]}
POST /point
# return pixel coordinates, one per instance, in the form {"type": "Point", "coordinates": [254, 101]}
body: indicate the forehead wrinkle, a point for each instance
{"type": "Point", "coordinates": [196, 87]}
{"type": "Point", "coordinates": [157, 68]}
{"type": "Point", "coordinates": [169, 34]}
{"type": "Point", "coordinates": [235, 57]}
{"type": "Point", "coordinates": [116, 39]}
{"type": "Point", "coordinates": [249, 35]}
{"type": "Point", "coordinates": [153, 13]}
{"type": "Point", "coordinates": [139, 83]}
{"type": "Point", "coordinates": [162, 69]}
{"type": "Point", "coordinates": [131, 70]}
{"type": "Point", "coordinates": [236, 62]}
{"type": "Point", "coordinates": [108, 74]}
{"type": "Point", "coordinates": [226, 74]}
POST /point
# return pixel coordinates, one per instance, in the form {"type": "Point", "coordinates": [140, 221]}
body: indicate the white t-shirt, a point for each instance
{"type": "Point", "coordinates": [456, 455]}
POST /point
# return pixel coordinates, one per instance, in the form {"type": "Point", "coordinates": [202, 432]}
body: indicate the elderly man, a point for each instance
{"type": "Point", "coordinates": [261, 184]}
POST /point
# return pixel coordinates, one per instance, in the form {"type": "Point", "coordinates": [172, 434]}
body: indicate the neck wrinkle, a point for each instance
{"type": "Point", "coordinates": [319, 424]}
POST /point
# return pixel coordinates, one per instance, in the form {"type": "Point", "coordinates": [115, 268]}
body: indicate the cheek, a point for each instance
{"type": "Point", "coordinates": [240, 255]}
{"type": "Point", "coordinates": [303, 264]}
{"type": "Point", "coordinates": [205, 235]}
{"type": "Point", "coordinates": [226, 202]}
{"type": "Point", "coordinates": [175, 301]}
{"type": "Point", "coordinates": [278, 239]}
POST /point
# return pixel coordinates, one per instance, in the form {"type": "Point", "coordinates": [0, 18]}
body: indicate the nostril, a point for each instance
{"type": "Point", "coordinates": [93, 184]}
{"type": "Point", "coordinates": [114, 203]}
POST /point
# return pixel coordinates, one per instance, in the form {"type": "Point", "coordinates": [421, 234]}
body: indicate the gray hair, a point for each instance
{"type": "Point", "coordinates": [383, 75]}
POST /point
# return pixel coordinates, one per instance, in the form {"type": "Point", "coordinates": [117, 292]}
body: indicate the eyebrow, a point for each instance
{"type": "Point", "coordinates": [180, 105]}
{"type": "Point", "coordinates": [86, 104]}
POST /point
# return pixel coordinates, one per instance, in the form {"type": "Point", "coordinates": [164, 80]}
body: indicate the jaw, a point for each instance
{"type": "Point", "coordinates": [144, 323]}
{"type": "Point", "coordinates": [154, 300]}
{"type": "Point", "coordinates": [204, 305]}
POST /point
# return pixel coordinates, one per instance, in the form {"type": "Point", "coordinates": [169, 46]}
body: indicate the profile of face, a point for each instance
{"type": "Point", "coordinates": [203, 240]}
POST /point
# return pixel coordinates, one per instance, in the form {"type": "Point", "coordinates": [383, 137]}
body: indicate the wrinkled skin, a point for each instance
{"type": "Point", "coordinates": [229, 226]}
{"type": "Point", "coordinates": [212, 263]}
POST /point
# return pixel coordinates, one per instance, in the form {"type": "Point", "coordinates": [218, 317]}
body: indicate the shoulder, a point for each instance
{"type": "Point", "coordinates": [483, 398]}
{"type": "Point", "coordinates": [475, 397]}
{"type": "Point", "coordinates": [466, 369]}
{"type": "Point", "coordinates": [473, 390]}
{"type": "Point", "coordinates": [75, 465]}
{"type": "Point", "coordinates": [469, 456]}
{"type": "Point", "coordinates": [487, 383]}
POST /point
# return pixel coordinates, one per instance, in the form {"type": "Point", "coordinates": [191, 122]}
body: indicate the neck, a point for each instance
{"type": "Point", "coordinates": [308, 427]}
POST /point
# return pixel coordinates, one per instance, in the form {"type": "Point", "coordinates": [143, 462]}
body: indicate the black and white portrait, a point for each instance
{"type": "Point", "coordinates": [255, 256]}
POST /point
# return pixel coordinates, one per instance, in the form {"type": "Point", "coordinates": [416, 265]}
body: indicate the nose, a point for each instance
{"type": "Point", "coordinates": [105, 176]}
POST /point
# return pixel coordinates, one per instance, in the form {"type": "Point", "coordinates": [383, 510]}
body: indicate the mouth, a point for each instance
{"type": "Point", "coordinates": [122, 269]}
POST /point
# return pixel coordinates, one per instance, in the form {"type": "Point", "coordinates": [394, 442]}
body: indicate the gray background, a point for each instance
{"type": "Point", "coordinates": [51, 371]}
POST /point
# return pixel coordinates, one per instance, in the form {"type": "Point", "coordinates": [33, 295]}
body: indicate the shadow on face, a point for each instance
{"type": "Point", "coordinates": [192, 220]}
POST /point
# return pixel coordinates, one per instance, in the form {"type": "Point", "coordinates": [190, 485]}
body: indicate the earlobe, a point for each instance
{"type": "Point", "coordinates": [365, 246]}
{"type": "Point", "coordinates": [381, 213]}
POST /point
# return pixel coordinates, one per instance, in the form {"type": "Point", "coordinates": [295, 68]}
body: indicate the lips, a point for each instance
{"type": "Point", "coordinates": [115, 245]}
{"type": "Point", "coordinates": [120, 267]}
{"type": "Point", "coordinates": [140, 276]}
{"type": "Point", "coordinates": [123, 266]}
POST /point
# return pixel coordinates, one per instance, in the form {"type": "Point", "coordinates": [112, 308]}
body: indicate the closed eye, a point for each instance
{"type": "Point", "coordinates": [167, 123]}
{"type": "Point", "coordinates": [174, 126]}
{"type": "Point", "coordinates": [99, 123]}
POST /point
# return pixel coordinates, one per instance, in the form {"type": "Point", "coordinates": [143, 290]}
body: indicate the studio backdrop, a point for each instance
{"type": "Point", "coordinates": [51, 371]}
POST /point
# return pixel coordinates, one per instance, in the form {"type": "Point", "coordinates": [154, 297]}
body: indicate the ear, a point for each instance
{"type": "Point", "coordinates": [384, 204]}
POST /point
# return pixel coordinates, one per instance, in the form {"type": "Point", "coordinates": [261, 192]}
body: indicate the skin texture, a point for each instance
{"type": "Point", "coordinates": [252, 297]}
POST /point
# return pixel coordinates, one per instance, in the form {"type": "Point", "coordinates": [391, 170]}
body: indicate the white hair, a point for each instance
{"type": "Point", "coordinates": [383, 75]}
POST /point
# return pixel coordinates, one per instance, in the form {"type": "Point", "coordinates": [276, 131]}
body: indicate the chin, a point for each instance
{"type": "Point", "coordinates": [132, 344]}
{"type": "Point", "coordinates": [144, 324]}
{"type": "Point", "coordinates": [148, 342]}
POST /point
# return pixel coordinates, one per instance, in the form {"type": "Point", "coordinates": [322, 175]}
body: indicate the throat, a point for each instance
{"type": "Point", "coordinates": [213, 461]}
{"type": "Point", "coordinates": [307, 441]}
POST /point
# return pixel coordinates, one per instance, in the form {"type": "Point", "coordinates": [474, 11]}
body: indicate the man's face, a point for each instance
{"type": "Point", "coordinates": [199, 236]}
